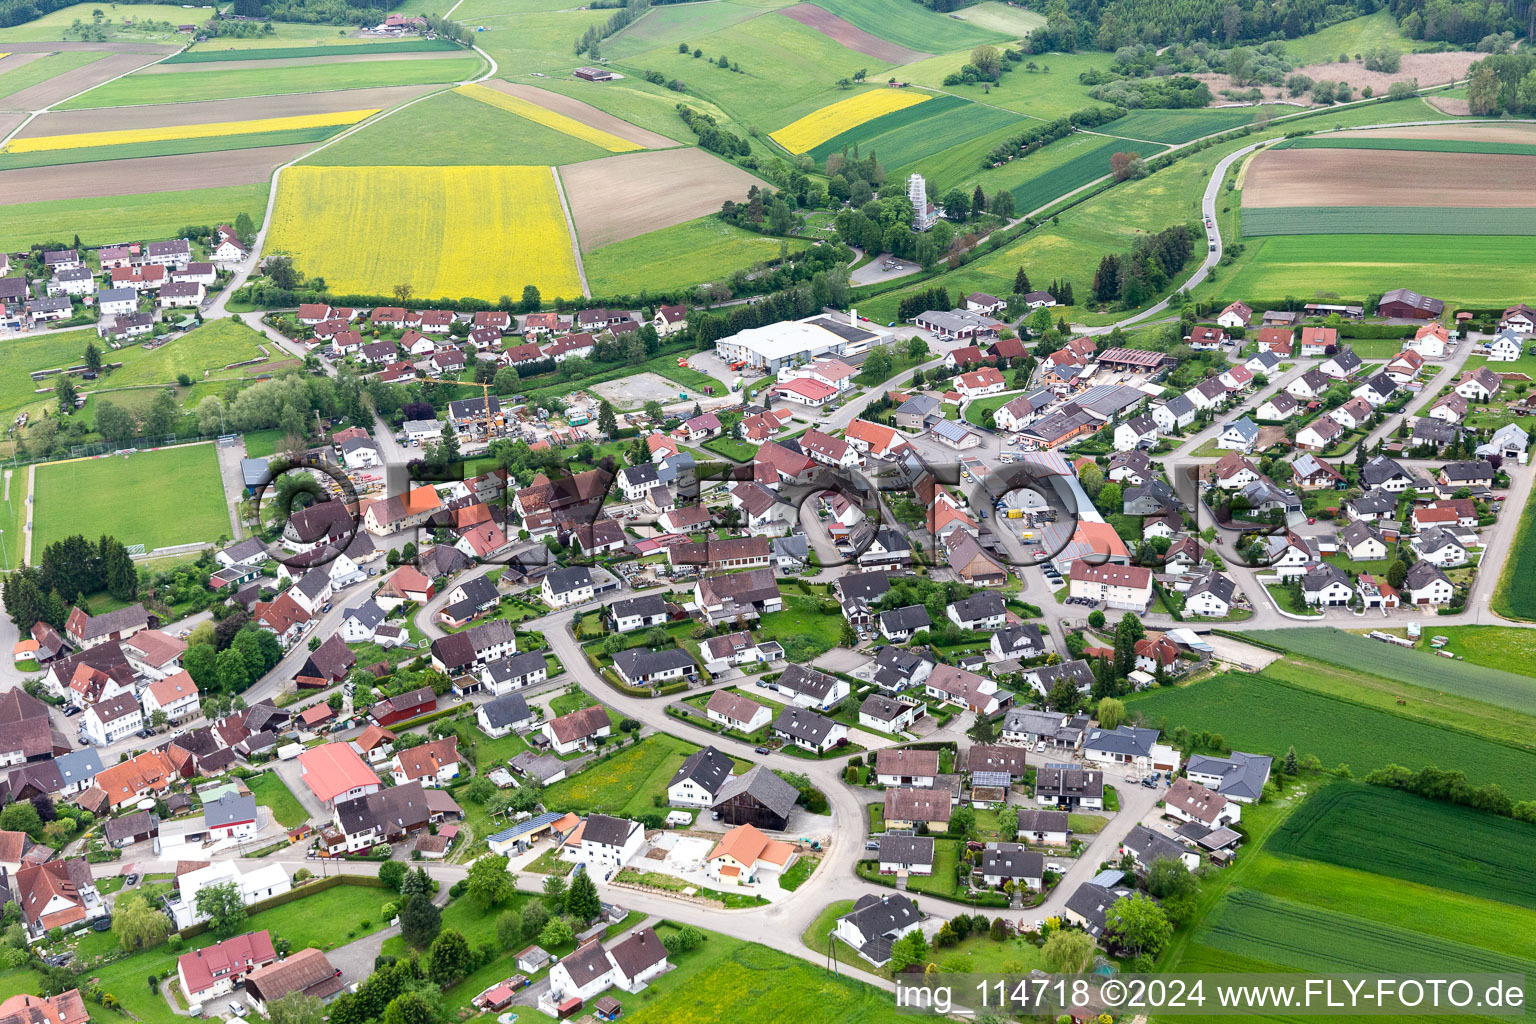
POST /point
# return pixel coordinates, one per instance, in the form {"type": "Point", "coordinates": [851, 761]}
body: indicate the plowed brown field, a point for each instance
{"type": "Point", "coordinates": [1364, 177]}
{"type": "Point", "coordinates": [851, 36]}
{"type": "Point", "coordinates": [147, 174]}
{"type": "Point", "coordinates": [624, 196]}
{"type": "Point", "coordinates": [586, 113]}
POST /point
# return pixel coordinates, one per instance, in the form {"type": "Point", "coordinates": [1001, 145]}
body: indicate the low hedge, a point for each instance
{"type": "Point", "coordinates": [431, 716]}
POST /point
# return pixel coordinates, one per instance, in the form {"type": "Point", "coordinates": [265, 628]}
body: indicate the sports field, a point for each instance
{"type": "Point", "coordinates": [218, 85]}
{"type": "Point", "coordinates": [1474, 269]}
{"type": "Point", "coordinates": [1264, 715]}
{"type": "Point", "coordinates": [707, 249]}
{"type": "Point", "coordinates": [159, 498]}
{"type": "Point", "coordinates": [446, 231]}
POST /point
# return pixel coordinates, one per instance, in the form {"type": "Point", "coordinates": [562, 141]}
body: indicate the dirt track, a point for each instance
{"type": "Point", "coordinates": [587, 114]}
{"type": "Point", "coordinates": [840, 31]}
{"type": "Point", "coordinates": [1523, 133]}
{"type": "Point", "coordinates": [1373, 177]}
{"type": "Point", "coordinates": [298, 62]}
{"type": "Point", "coordinates": [68, 122]}
{"type": "Point", "coordinates": [623, 196]}
{"type": "Point", "coordinates": [61, 87]}
{"type": "Point", "coordinates": [150, 174]}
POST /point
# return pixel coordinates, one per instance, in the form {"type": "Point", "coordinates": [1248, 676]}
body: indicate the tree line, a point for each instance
{"type": "Point", "coordinates": [1037, 136]}
{"type": "Point", "coordinates": [69, 570]}
{"type": "Point", "coordinates": [1132, 278]}
{"type": "Point", "coordinates": [1503, 84]}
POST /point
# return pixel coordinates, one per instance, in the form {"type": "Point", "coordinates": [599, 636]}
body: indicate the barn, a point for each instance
{"type": "Point", "coordinates": [759, 798]}
{"type": "Point", "coordinates": [1403, 304]}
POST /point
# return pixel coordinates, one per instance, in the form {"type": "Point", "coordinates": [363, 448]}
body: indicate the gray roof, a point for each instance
{"type": "Point", "coordinates": [764, 786]}
{"type": "Point", "coordinates": [1034, 820]}
{"type": "Point", "coordinates": [804, 725]}
{"type": "Point", "coordinates": [799, 679]}
{"type": "Point", "coordinates": [1421, 574]}
{"type": "Point", "coordinates": [980, 606]}
{"type": "Point", "coordinates": [1179, 405]}
{"type": "Point", "coordinates": [1379, 470]}
{"type": "Point", "coordinates": [708, 769]}
{"type": "Point", "coordinates": [1127, 739]}
{"type": "Point", "coordinates": [878, 919]}
{"type": "Point", "coordinates": [368, 614]}
{"type": "Point", "coordinates": [230, 808]}
{"type": "Point", "coordinates": [912, 617]}
{"type": "Point", "coordinates": [606, 830]}
{"type": "Point", "coordinates": [1151, 846]}
{"type": "Point", "coordinates": [506, 711]}
{"type": "Point", "coordinates": [895, 666]}
{"type": "Point", "coordinates": [1048, 676]}
{"type": "Point", "coordinates": [1012, 860]}
{"type": "Point", "coordinates": [1435, 539]}
{"type": "Point", "coordinates": [116, 294]}
{"type": "Point", "coordinates": [638, 661]}
{"type": "Point", "coordinates": [918, 405]}
{"type": "Point", "coordinates": [1346, 359]}
{"type": "Point", "coordinates": [950, 430]}
{"type": "Point", "coordinates": [563, 581]}
{"type": "Point", "coordinates": [646, 606]}
{"type": "Point", "coordinates": [78, 765]}
{"type": "Point", "coordinates": [515, 666]}
{"type": "Point", "coordinates": [1242, 775]}
{"type": "Point", "coordinates": [1243, 427]}
{"type": "Point", "coordinates": [137, 824]}
{"type": "Point", "coordinates": [1024, 640]}
{"type": "Point", "coordinates": [1322, 576]}
{"type": "Point", "coordinates": [1058, 780]}
{"type": "Point", "coordinates": [1216, 584]}
{"type": "Point", "coordinates": [1091, 902]}
{"type": "Point", "coordinates": [882, 708]}
{"type": "Point", "coordinates": [906, 849]}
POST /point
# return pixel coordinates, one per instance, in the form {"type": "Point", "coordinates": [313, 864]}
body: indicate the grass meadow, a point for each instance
{"type": "Point", "coordinates": [626, 783]}
{"type": "Point", "coordinates": [209, 53]}
{"type": "Point", "coordinates": [220, 85]}
{"type": "Point", "coordinates": [707, 249]}
{"type": "Point", "coordinates": [1357, 35]}
{"type": "Point", "coordinates": [1046, 94]}
{"type": "Point", "coordinates": [1515, 596]}
{"type": "Point", "coordinates": [787, 70]}
{"type": "Point", "coordinates": [1175, 126]}
{"type": "Point", "coordinates": [53, 24]}
{"type": "Point", "coordinates": [1353, 221]}
{"type": "Point", "coordinates": [939, 125]}
{"type": "Point", "coordinates": [1265, 715]}
{"type": "Point", "coordinates": [102, 219]}
{"type": "Point", "coordinates": [158, 498]}
{"type": "Point", "coordinates": [667, 26]}
{"type": "Point", "coordinates": [919, 29]}
{"type": "Point", "coordinates": [652, 107]}
{"type": "Point", "coordinates": [450, 129]}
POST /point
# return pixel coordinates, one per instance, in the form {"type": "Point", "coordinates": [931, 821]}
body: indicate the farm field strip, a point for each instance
{"type": "Point", "coordinates": [1387, 220]}
{"type": "Point", "coordinates": [207, 55]}
{"type": "Point", "coordinates": [1515, 595]}
{"type": "Point", "coordinates": [817, 127]}
{"type": "Point", "coordinates": [667, 24]}
{"type": "Point", "coordinates": [1419, 667]}
{"type": "Point", "coordinates": [175, 147]}
{"type": "Point", "coordinates": [886, 123]}
{"type": "Point", "coordinates": [917, 28]}
{"type": "Point", "coordinates": [589, 115]}
{"type": "Point", "coordinates": [1399, 835]}
{"type": "Point", "coordinates": [548, 118]}
{"type": "Point", "coordinates": [129, 177]}
{"type": "Point", "coordinates": [1410, 145]}
{"type": "Point", "coordinates": [1479, 131]}
{"type": "Point", "coordinates": [1265, 715]}
{"type": "Point", "coordinates": [1080, 170]}
{"type": "Point", "coordinates": [103, 219]}
{"type": "Point", "coordinates": [847, 34]}
{"type": "Point", "coordinates": [128, 136]}
{"type": "Point", "coordinates": [156, 115]}
{"type": "Point", "coordinates": [1341, 177]}
{"type": "Point", "coordinates": [1175, 126]}
{"type": "Point", "coordinates": [1477, 269]}
{"type": "Point", "coordinates": [148, 90]}
{"type": "Point", "coordinates": [446, 231]}
{"type": "Point", "coordinates": [16, 75]}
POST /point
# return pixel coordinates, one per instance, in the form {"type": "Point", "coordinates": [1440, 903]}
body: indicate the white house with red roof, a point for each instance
{"type": "Point", "coordinates": [985, 381]}
{"type": "Point", "coordinates": [805, 391]}
{"type": "Point", "coordinates": [873, 439]}
{"type": "Point", "coordinates": [176, 695]}
{"type": "Point", "coordinates": [214, 970]}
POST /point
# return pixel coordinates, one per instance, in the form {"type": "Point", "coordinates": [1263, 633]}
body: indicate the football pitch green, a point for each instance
{"type": "Point", "coordinates": [157, 498]}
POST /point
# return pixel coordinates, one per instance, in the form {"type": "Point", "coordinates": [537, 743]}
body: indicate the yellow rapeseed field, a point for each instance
{"type": "Point", "coordinates": [121, 137]}
{"type": "Point", "coordinates": [548, 118]}
{"type": "Point", "coordinates": [820, 125]}
{"type": "Point", "coordinates": [448, 232]}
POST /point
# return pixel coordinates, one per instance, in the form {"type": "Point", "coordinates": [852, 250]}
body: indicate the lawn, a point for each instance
{"type": "Point", "coordinates": [1479, 270]}
{"type": "Point", "coordinates": [451, 128]}
{"type": "Point", "coordinates": [802, 627]}
{"type": "Point", "coordinates": [272, 792]}
{"type": "Point", "coordinates": [694, 252]}
{"type": "Point", "coordinates": [1013, 956]}
{"type": "Point", "coordinates": [1515, 596]}
{"type": "Point", "coordinates": [975, 412]}
{"type": "Point", "coordinates": [1357, 35]}
{"type": "Point", "coordinates": [158, 498]}
{"type": "Point", "coordinates": [1052, 92]}
{"type": "Point", "coordinates": [219, 85]}
{"type": "Point", "coordinates": [1497, 645]}
{"type": "Point", "coordinates": [625, 783]}
{"type": "Point", "coordinates": [263, 443]}
{"type": "Point", "coordinates": [1387, 832]}
{"type": "Point", "coordinates": [1263, 714]}
{"type": "Point", "coordinates": [149, 215]}
{"type": "Point", "coordinates": [731, 448]}
{"type": "Point", "coordinates": [539, 41]}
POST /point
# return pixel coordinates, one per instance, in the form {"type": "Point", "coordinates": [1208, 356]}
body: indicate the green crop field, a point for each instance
{"type": "Point", "coordinates": [1419, 667]}
{"type": "Point", "coordinates": [1481, 270]}
{"type": "Point", "coordinates": [652, 107]}
{"type": "Point", "coordinates": [1386, 832]}
{"type": "Point", "coordinates": [103, 219]}
{"type": "Point", "coordinates": [1258, 926]}
{"type": "Point", "coordinates": [676, 23]}
{"type": "Point", "coordinates": [1266, 716]}
{"type": "Point", "coordinates": [159, 498]}
{"type": "Point", "coordinates": [220, 85]}
{"type": "Point", "coordinates": [207, 54]}
{"type": "Point", "coordinates": [787, 70]}
{"type": "Point", "coordinates": [1410, 145]}
{"type": "Point", "coordinates": [1011, 21]}
{"type": "Point", "coordinates": [1515, 596]}
{"type": "Point", "coordinates": [44, 68]}
{"type": "Point", "coordinates": [1092, 163]}
{"type": "Point", "coordinates": [1393, 901]}
{"type": "Point", "coordinates": [707, 249]}
{"type": "Point", "coordinates": [915, 27]}
{"type": "Point", "coordinates": [538, 41]}
{"type": "Point", "coordinates": [167, 147]}
{"type": "Point", "coordinates": [1388, 220]}
{"type": "Point", "coordinates": [909, 135]}
{"type": "Point", "coordinates": [451, 128]}
{"type": "Point", "coordinates": [1175, 126]}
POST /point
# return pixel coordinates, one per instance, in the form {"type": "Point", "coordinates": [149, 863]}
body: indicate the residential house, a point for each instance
{"type": "Point", "coordinates": [577, 730]}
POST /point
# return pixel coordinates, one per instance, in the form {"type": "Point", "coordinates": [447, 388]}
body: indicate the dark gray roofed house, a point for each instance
{"type": "Point", "coordinates": [1238, 776]}
{"type": "Point", "coordinates": [1024, 641]}
{"type": "Point", "coordinates": [640, 667]}
{"type": "Point", "coordinates": [808, 729]}
{"type": "Point", "coordinates": [509, 711]}
{"type": "Point", "coordinates": [907, 853]}
{"type": "Point", "coordinates": [705, 769]}
{"type": "Point", "coordinates": [901, 623]}
{"type": "Point", "coordinates": [1148, 846]}
{"type": "Point", "coordinates": [1091, 902]}
{"type": "Point", "coordinates": [875, 923]}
